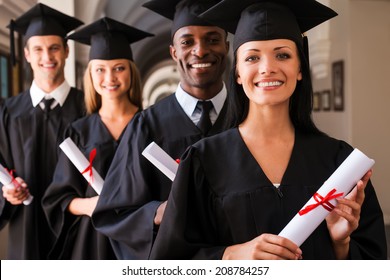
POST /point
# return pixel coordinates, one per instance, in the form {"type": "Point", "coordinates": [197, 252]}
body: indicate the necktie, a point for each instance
{"type": "Point", "coordinates": [204, 123]}
{"type": "Point", "coordinates": [47, 103]}
{"type": "Point", "coordinates": [47, 108]}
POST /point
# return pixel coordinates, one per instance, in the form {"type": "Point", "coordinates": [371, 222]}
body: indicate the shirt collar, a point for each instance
{"type": "Point", "coordinates": [188, 102]}
{"type": "Point", "coordinates": [59, 94]}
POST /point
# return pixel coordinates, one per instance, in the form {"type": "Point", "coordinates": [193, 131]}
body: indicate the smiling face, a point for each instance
{"type": "Point", "coordinates": [200, 53]}
{"type": "Point", "coordinates": [47, 55]}
{"type": "Point", "coordinates": [268, 71]}
{"type": "Point", "coordinates": [111, 78]}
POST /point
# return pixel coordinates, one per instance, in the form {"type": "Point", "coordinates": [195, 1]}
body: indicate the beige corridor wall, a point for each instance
{"type": "Point", "coordinates": [370, 76]}
{"type": "Point", "coordinates": [360, 36]}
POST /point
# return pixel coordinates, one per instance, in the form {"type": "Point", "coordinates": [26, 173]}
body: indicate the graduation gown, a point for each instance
{"type": "Point", "coordinates": [221, 197]}
{"type": "Point", "coordinates": [30, 147]}
{"type": "Point", "coordinates": [1, 110]}
{"type": "Point", "coordinates": [75, 235]}
{"type": "Point", "coordinates": [135, 187]}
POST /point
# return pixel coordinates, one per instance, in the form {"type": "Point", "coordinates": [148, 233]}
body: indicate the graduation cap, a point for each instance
{"type": "Point", "coordinates": [181, 12]}
{"type": "Point", "coordinates": [41, 20]}
{"type": "Point", "coordinates": [109, 39]}
{"type": "Point", "coordinates": [253, 20]}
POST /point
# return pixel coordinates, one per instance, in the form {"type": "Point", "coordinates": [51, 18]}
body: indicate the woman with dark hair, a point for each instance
{"type": "Point", "coordinates": [235, 192]}
{"type": "Point", "coordinates": [112, 87]}
{"type": "Point", "coordinates": [300, 104]}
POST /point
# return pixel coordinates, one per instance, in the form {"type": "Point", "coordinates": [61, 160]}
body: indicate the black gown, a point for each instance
{"type": "Point", "coordinates": [31, 148]}
{"type": "Point", "coordinates": [134, 188]}
{"type": "Point", "coordinates": [1, 110]}
{"type": "Point", "coordinates": [221, 197]}
{"type": "Point", "coordinates": [76, 236]}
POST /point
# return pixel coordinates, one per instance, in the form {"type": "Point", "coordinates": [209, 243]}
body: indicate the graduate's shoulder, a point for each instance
{"type": "Point", "coordinates": [18, 104]}
{"type": "Point", "coordinates": [162, 109]}
{"type": "Point", "coordinates": [76, 93]}
{"type": "Point", "coordinates": [75, 98]}
{"type": "Point", "coordinates": [159, 116]}
{"type": "Point", "coordinates": [89, 129]}
{"type": "Point", "coordinates": [85, 122]}
{"type": "Point", "coordinates": [323, 146]}
{"type": "Point", "coordinates": [218, 143]}
{"type": "Point", "coordinates": [323, 141]}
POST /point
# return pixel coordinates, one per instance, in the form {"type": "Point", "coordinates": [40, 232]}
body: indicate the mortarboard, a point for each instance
{"type": "Point", "coordinates": [41, 20]}
{"type": "Point", "coordinates": [109, 39]}
{"type": "Point", "coordinates": [181, 12]}
{"type": "Point", "coordinates": [252, 20]}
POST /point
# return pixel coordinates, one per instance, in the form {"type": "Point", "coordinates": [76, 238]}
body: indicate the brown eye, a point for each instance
{"type": "Point", "coordinates": [283, 56]}
{"type": "Point", "coordinates": [252, 58]}
{"type": "Point", "coordinates": [120, 68]}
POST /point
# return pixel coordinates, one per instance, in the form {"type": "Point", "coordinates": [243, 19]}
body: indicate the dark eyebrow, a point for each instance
{"type": "Point", "coordinates": [214, 33]}
{"type": "Point", "coordinates": [251, 50]}
{"type": "Point", "coordinates": [211, 33]}
{"type": "Point", "coordinates": [282, 47]}
{"type": "Point", "coordinates": [186, 35]}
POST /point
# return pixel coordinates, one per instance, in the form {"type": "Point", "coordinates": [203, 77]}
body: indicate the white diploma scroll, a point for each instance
{"type": "Point", "coordinates": [6, 179]}
{"type": "Point", "coordinates": [161, 160]}
{"type": "Point", "coordinates": [339, 184]}
{"type": "Point", "coordinates": [81, 163]}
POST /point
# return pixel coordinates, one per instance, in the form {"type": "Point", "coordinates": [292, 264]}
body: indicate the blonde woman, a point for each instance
{"type": "Point", "coordinates": [112, 87]}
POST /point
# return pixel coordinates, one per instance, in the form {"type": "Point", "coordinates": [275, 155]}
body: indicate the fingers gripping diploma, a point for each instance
{"type": "Point", "coordinates": [341, 222]}
{"type": "Point", "coordinates": [17, 192]}
{"type": "Point", "coordinates": [344, 219]}
{"type": "Point", "coordinates": [264, 247]}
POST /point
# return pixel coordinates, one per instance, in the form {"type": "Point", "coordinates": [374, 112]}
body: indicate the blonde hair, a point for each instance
{"type": "Point", "coordinates": [93, 100]}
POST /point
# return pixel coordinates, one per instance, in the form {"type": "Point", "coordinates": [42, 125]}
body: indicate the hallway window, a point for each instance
{"type": "Point", "coordinates": [4, 77]}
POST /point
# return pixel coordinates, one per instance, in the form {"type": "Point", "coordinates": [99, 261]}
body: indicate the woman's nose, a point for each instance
{"type": "Point", "coordinates": [267, 66]}
{"type": "Point", "coordinates": [110, 76]}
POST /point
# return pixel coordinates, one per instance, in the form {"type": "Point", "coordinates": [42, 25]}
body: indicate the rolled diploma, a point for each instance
{"type": "Point", "coordinates": [81, 163]}
{"type": "Point", "coordinates": [6, 179]}
{"type": "Point", "coordinates": [343, 180]}
{"type": "Point", "coordinates": [161, 160]}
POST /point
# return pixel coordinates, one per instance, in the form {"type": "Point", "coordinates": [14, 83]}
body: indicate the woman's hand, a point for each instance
{"type": "Point", "coordinates": [83, 206]}
{"type": "Point", "coordinates": [344, 218]}
{"type": "Point", "coordinates": [160, 213]}
{"type": "Point", "coordinates": [264, 247]}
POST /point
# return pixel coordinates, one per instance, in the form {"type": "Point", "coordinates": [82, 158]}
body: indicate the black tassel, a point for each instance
{"type": "Point", "coordinates": [12, 42]}
{"type": "Point", "coordinates": [306, 48]}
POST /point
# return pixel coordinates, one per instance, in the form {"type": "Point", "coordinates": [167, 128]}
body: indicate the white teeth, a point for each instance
{"type": "Point", "coordinates": [269, 84]}
{"type": "Point", "coordinates": [48, 65]}
{"type": "Point", "coordinates": [201, 65]}
{"type": "Point", "coordinates": [111, 87]}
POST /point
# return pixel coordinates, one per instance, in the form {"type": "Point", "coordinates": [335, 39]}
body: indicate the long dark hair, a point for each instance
{"type": "Point", "coordinates": [301, 102]}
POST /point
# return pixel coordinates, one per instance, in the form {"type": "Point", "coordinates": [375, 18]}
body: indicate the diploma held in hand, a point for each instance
{"type": "Point", "coordinates": [6, 179]}
{"type": "Point", "coordinates": [339, 184]}
{"type": "Point", "coordinates": [82, 164]}
{"type": "Point", "coordinates": [161, 160]}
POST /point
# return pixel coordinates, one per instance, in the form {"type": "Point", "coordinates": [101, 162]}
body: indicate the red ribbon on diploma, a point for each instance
{"type": "Point", "coordinates": [14, 182]}
{"type": "Point", "coordinates": [323, 201]}
{"type": "Point", "coordinates": [92, 155]}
